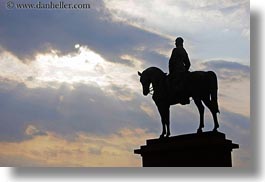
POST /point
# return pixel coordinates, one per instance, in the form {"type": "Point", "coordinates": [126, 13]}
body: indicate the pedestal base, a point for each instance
{"type": "Point", "coordinates": [208, 149]}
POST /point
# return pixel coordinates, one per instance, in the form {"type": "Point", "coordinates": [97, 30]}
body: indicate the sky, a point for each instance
{"type": "Point", "coordinates": [69, 90]}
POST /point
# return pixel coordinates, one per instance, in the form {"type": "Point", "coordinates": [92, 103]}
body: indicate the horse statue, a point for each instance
{"type": "Point", "coordinates": [200, 85]}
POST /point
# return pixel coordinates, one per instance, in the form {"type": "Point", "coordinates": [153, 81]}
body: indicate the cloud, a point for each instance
{"type": "Point", "coordinates": [69, 83]}
{"type": "Point", "coordinates": [150, 111]}
{"type": "Point", "coordinates": [234, 84]}
{"type": "Point", "coordinates": [228, 70]}
{"type": "Point", "coordinates": [225, 20]}
{"type": "Point", "coordinates": [236, 127]}
{"type": "Point", "coordinates": [86, 149]}
{"type": "Point", "coordinates": [189, 16]}
{"type": "Point", "coordinates": [82, 66]}
{"type": "Point", "coordinates": [65, 115]}
{"type": "Point", "coordinates": [79, 91]}
{"type": "Point", "coordinates": [115, 149]}
{"type": "Point", "coordinates": [31, 130]}
{"type": "Point", "coordinates": [42, 31]}
{"type": "Point", "coordinates": [66, 110]}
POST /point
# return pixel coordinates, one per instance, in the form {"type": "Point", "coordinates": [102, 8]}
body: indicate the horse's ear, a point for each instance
{"type": "Point", "coordinates": [139, 73]}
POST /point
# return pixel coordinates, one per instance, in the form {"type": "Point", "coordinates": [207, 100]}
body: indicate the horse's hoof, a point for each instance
{"type": "Point", "coordinates": [167, 136]}
{"type": "Point", "coordinates": [161, 137]}
{"type": "Point", "coordinates": [215, 130]}
{"type": "Point", "coordinates": [199, 130]}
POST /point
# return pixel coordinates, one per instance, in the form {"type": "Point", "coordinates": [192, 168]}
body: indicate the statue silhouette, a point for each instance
{"type": "Point", "coordinates": [201, 86]}
{"type": "Point", "coordinates": [179, 64]}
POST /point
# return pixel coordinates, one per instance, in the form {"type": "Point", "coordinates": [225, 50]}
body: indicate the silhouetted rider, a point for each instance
{"type": "Point", "coordinates": [179, 60]}
{"type": "Point", "coordinates": [179, 65]}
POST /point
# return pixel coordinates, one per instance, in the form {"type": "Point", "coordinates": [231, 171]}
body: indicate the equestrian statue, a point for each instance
{"type": "Point", "coordinates": [179, 85]}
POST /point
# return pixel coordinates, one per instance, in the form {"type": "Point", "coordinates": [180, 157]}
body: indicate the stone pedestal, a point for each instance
{"type": "Point", "coordinates": [208, 149]}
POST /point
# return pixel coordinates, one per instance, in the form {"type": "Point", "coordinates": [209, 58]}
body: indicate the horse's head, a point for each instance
{"type": "Point", "coordinates": [145, 81]}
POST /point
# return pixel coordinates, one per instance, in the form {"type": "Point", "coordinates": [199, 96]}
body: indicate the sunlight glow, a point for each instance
{"type": "Point", "coordinates": [83, 66]}
{"type": "Point", "coordinates": [77, 46]}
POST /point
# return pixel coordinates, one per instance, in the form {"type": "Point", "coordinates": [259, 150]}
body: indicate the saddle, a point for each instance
{"type": "Point", "coordinates": [177, 85]}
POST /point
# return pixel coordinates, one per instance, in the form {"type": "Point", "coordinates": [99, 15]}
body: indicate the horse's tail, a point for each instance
{"type": "Point", "coordinates": [214, 91]}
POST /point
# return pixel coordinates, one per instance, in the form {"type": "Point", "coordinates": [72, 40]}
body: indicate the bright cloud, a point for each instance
{"type": "Point", "coordinates": [84, 66]}
{"type": "Point", "coordinates": [170, 16]}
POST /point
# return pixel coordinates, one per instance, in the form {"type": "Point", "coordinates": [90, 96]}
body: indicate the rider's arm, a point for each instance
{"type": "Point", "coordinates": [187, 62]}
{"type": "Point", "coordinates": [171, 62]}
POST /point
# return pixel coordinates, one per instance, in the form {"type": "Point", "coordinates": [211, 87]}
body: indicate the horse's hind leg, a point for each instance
{"type": "Point", "coordinates": [210, 105]}
{"type": "Point", "coordinates": [200, 107]}
{"type": "Point", "coordinates": [167, 120]}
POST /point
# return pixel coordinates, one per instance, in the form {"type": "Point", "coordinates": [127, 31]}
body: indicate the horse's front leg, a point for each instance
{"type": "Point", "coordinates": [163, 130]}
{"type": "Point", "coordinates": [167, 120]}
{"type": "Point", "coordinates": [162, 109]}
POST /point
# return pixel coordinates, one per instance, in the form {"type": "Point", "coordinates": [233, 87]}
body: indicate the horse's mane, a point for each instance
{"type": "Point", "coordinates": [155, 70]}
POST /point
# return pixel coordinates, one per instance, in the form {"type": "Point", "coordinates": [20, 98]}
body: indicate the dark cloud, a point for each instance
{"type": "Point", "coordinates": [89, 109]}
{"type": "Point", "coordinates": [66, 111]}
{"type": "Point", "coordinates": [41, 30]}
{"type": "Point", "coordinates": [221, 64]}
{"type": "Point", "coordinates": [86, 108]}
{"type": "Point", "coordinates": [21, 107]}
{"type": "Point", "coordinates": [227, 70]}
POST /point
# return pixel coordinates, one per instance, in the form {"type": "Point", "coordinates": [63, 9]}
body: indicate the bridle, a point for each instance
{"type": "Point", "coordinates": [151, 90]}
